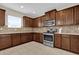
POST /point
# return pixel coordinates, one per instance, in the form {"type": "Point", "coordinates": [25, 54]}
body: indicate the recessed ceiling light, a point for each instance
{"type": "Point", "coordinates": [21, 6]}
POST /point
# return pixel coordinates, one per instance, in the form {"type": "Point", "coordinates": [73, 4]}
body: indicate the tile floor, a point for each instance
{"type": "Point", "coordinates": [34, 48]}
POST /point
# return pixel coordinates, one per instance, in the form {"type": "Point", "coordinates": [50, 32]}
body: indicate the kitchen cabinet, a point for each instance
{"type": "Point", "coordinates": [27, 21]}
{"type": "Point", "coordinates": [66, 42]}
{"type": "Point", "coordinates": [2, 17]}
{"type": "Point", "coordinates": [59, 18]}
{"type": "Point", "coordinates": [58, 41]}
{"type": "Point", "coordinates": [37, 22]}
{"type": "Point", "coordinates": [5, 41]}
{"type": "Point", "coordinates": [23, 37]}
{"type": "Point", "coordinates": [16, 39]}
{"type": "Point", "coordinates": [51, 15]}
{"type": "Point", "coordinates": [65, 17]}
{"type": "Point", "coordinates": [75, 43]}
{"type": "Point", "coordinates": [26, 37]}
{"type": "Point", "coordinates": [76, 15]}
{"type": "Point", "coordinates": [29, 37]}
{"type": "Point", "coordinates": [38, 37]}
{"type": "Point", "coordinates": [68, 16]}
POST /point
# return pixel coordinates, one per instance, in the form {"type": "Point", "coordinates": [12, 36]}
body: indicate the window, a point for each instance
{"type": "Point", "coordinates": [14, 22]}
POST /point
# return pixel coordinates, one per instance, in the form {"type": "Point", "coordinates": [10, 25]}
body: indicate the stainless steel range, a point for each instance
{"type": "Point", "coordinates": [49, 38]}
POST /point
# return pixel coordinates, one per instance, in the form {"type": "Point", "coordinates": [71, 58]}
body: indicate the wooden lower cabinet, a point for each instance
{"type": "Point", "coordinates": [66, 42]}
{"type": "Point", "coordinates": [75, 43]}
{"type": "Point", "coordinates": [26, 37]}
{"type": "Point", "coordinates": [58, 40]}
{"type": "Point", "coordinates": [16, 39]}
{"type": "Point", "coordinates": [5, 41]}
{"type": "Point", "coordinates": [38, 37]}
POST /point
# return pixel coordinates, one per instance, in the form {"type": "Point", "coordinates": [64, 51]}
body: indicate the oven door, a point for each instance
{"type": "Point", "coordinates": [49, 37]}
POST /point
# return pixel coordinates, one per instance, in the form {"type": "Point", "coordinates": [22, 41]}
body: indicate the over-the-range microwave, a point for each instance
{"type": "Point", "coordinates": [49, 23]}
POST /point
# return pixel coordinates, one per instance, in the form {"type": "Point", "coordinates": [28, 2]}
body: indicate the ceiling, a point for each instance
{"type": "Point", "coordinates": [36, 9]}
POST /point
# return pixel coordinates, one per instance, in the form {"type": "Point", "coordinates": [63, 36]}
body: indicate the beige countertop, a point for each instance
{"type": "Point", "coordinates": [68, 33]}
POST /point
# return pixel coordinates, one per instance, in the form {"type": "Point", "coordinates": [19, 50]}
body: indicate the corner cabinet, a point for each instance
{"type": "Point", "coordinates": [38, 37]}
{"type": "Point", "coordinates": [2, 17]}
{"type": "Point", "coordinates": [26, 37]}
{"type": "Point", "coordinates": [27, 21]}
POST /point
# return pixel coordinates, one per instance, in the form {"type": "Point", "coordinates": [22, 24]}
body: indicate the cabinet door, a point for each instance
{"type": "Point", "coordinates": [16, 39]}
{"type": "Point", "coordinates": [38, 37]}
{"type": "Point", "coordinates": [5, 41]}
{"type": "Point", "coordinates": [66, 42]}
{"type": "Point", "coordinates": [75, 43]}
{"type": "Point", "coordinates": [76, 15]}
{"type": "Point", "coordinates": [58, 40]}
{"type": "Point", "coordinates": [68, 16]}
{"type": "Point", "coordinates": [53, 14]}
{"type": "Point", "coordinates": [47, 15]}
{"type": "Point", "coordinates": [26, 37]}
{"type": "Point", "coordinates": [59, 18]}
{"type": "Point", "coordinates": [2, 17]}
{"type": "Point", "coordinates": [29, 37]}
{"type": "Point", "coordinates": [37, 22]}
{"type": "Point", "coordinates": [27, 22]}
{"type": "Point", "coordinates": [23, 37]}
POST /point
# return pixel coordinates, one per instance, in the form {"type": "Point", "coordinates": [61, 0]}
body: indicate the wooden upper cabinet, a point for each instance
{"type": "Point", "coordinates": [76, 15]}
{"type": "Point", "coordinates": [75, 43]}
{"type": "Point", "coordinates": [59, 18]}
{"type": "Point", "coordinates": [5, 41]}
{"type": "Point", "coordinates": [51, 15]}
{"type": "Point", "coordinates": [2, 17]}
{"type": "Point", "coordinates": [68, 16]}
{"type": "Point", "coordinates": [58, 38]}
{"type": "Point", "coordinates": [65, 17]}
{"type": "Point", "coordinates": [47, 15]}
{"type": "Point", "coordinates": [37, 22]}
{"type": "Point", "coordinates": [27, 22]}
{"type": "Point", "coordinates": [66, 42]}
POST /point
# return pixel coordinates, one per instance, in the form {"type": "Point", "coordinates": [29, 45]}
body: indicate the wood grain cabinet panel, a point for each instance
{"type": "Point", "coordinates": [2, 17]}
{"type": "Point", "coordinates": [75, 43]}
{"type": "Point", "coordinates": [68, 16]}
{"type": "Point", "coordinates": [37, 22]}
{"type": "Point", "coordinates": [76, 15]}
{"type": "Point", "coordinates": [59, 18]}
{"type": "Point", "coordinates": [29, 37]}
{"type": "Point", "coordinates": [16, 40]}
{"type": "Point", "coordinates": [26, 37]}
{"type": "Point", "coordinates": [23, 37]}
{"type": "Point", "coordinates": [51, 15]}
{"type": "Point", "coordinates": [38, 37]}
{"type": "Point", "coordinates": [5, 41]}
{"type": "Point", "coordinates": [27, 21]}
{"type": "Point", "coordinates": [66, 42]}
{"type": "Point", "coordinates": [58, 39]}
{"type": "Point", "coordinates": [65, 17]}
